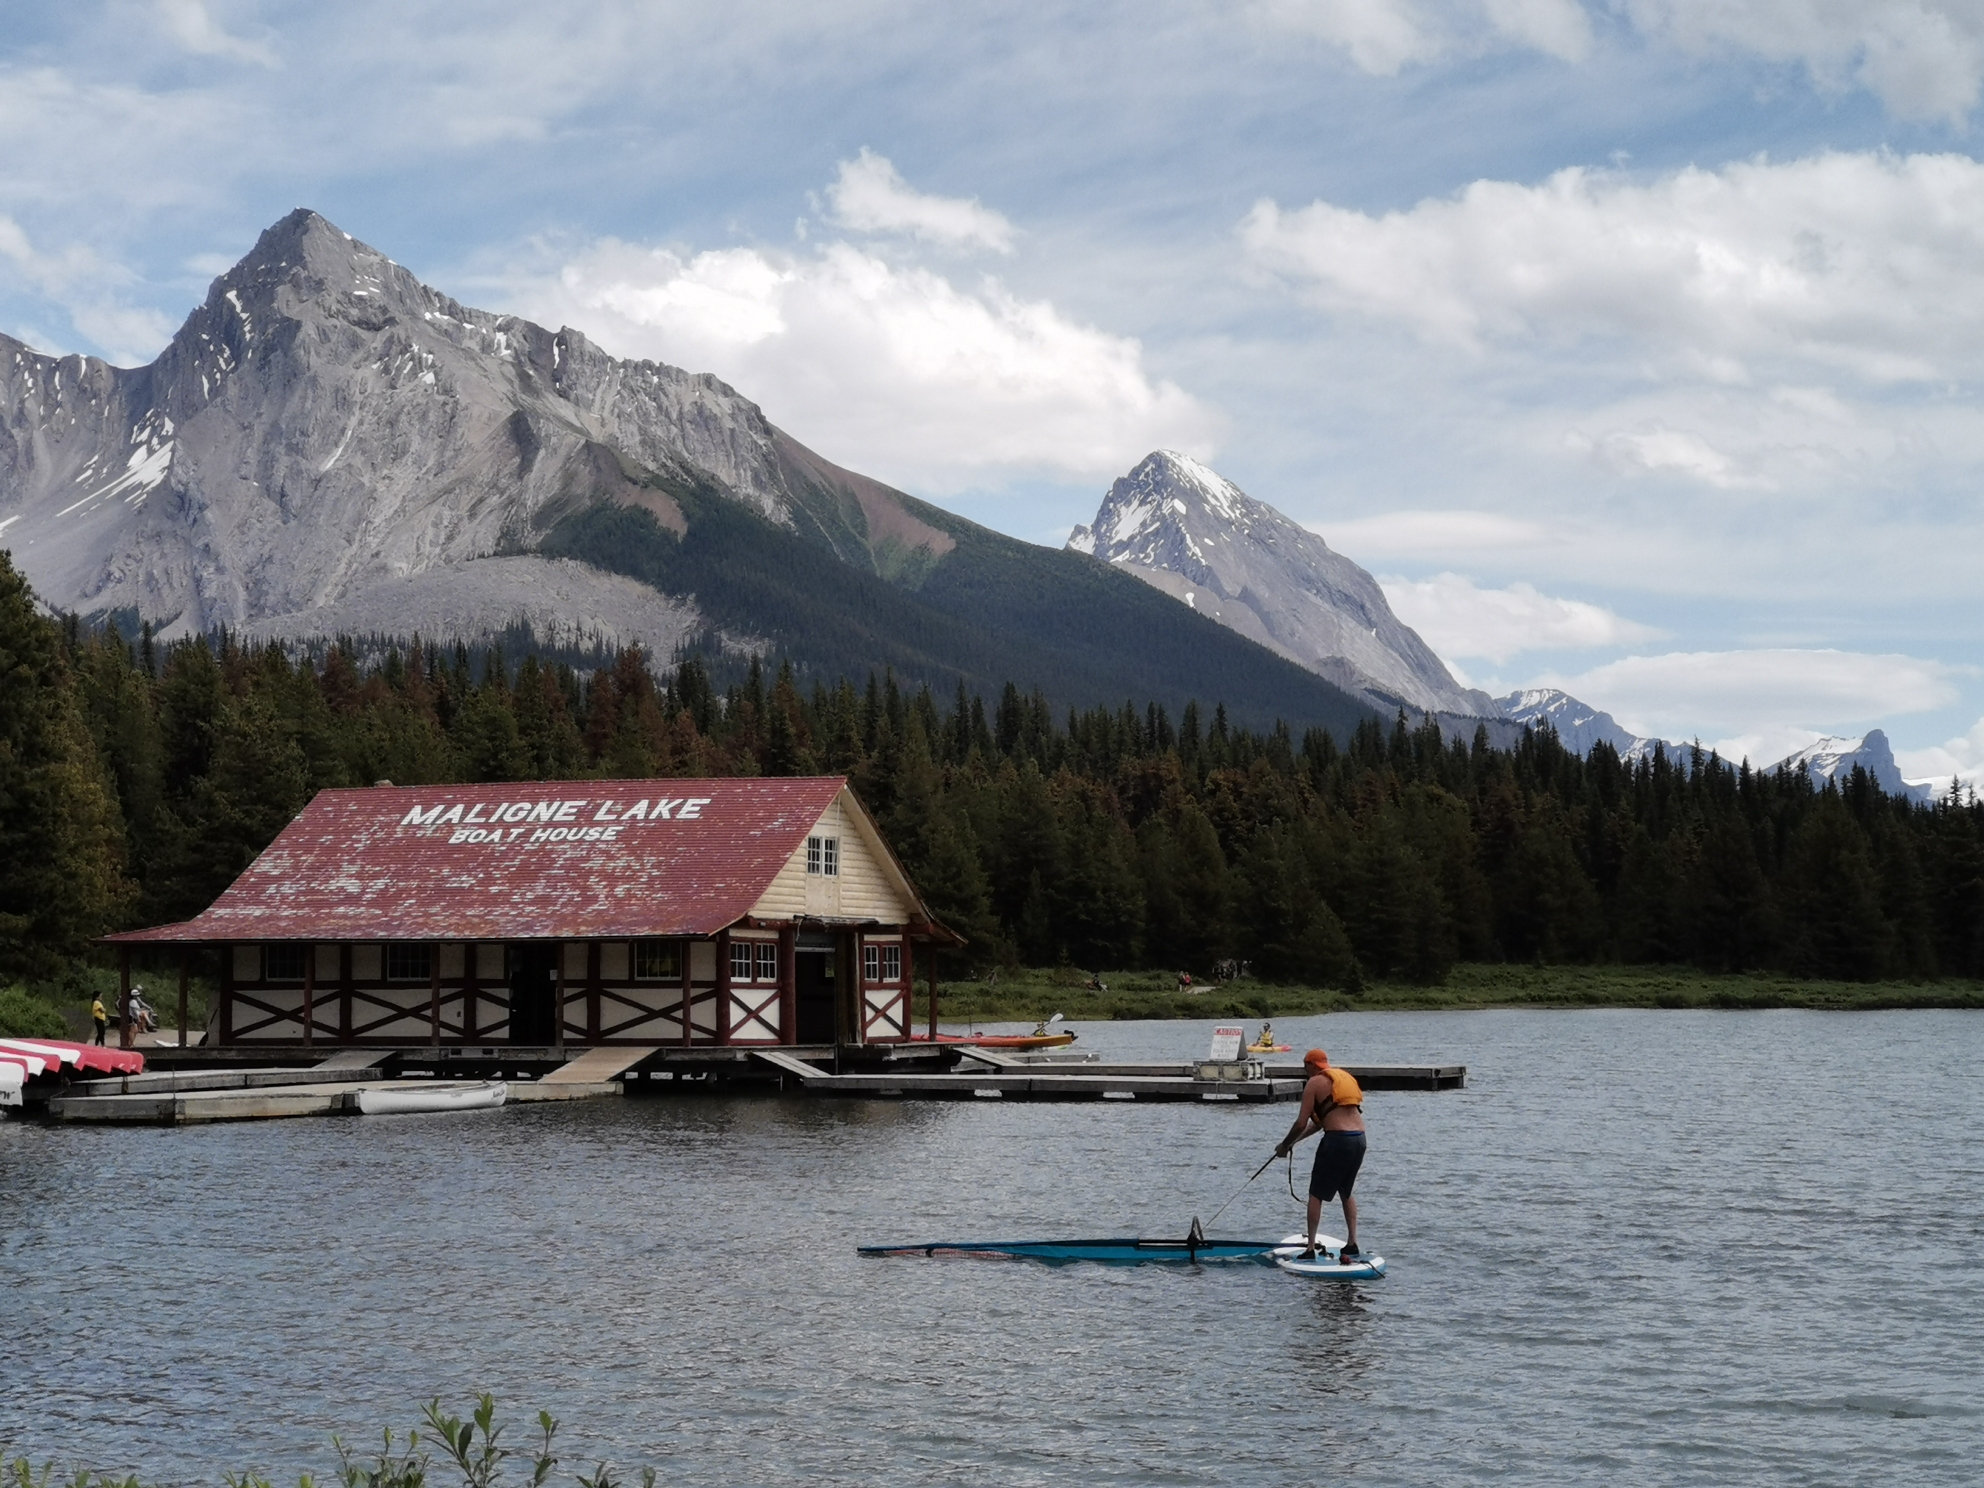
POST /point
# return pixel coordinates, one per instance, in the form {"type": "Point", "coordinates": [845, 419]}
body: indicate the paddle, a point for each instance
{"type": "Point", "coordinates": [1197, 1234]}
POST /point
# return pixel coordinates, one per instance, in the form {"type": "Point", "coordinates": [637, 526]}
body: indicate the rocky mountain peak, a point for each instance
{"type": "Point", "coordinates": [1833, 758]}
{"type": "Point", "coordinates": [326, 430]}
{"type": "Point", "coordinates": [1178, 524]}
{"type": "Point", "coordinates": [1167, 511]}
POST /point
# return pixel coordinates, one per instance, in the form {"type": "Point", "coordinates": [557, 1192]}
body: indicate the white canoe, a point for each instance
{"type": "Point", "coordinates": [469, 1095]}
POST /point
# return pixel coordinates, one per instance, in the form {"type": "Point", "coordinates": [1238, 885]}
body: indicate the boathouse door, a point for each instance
{"type": "Point", "coordinates": [814, 1005]}
{"type": "Point", "coordinates": [533, 993]}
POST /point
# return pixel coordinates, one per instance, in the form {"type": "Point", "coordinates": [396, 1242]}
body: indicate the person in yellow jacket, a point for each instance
{"type": "Point", "coordinates": [99, 1017]}
{"type": "Point", "coordinates": [1333, 1104]}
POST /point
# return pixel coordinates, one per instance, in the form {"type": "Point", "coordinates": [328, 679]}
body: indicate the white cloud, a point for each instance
{"type": "Point", "coordinates": [1924, 59]}
{"type": "Point", "coordinates": [1863, 264]}
{"type": "Point", "coordinates": [1961, 757]}
{"type": "Point", "coordinates": [1557, 27]}
{"type": "Point", "coordinates": [891, 369]}
{"type": "Point", "coordinates": [190, 24]}
{"type": "Point", "coordinates": [1381, 36]}
{"type": "Point", "coordinates": [1384, 36]}
{"type": "Point", "coordinates": [1767, 694]}
{"type": "Point", "coordinates": [1652, 449]}
{"type": "Point", "coordinates": [84, 285]}
{"type": "Point", "coordinates": [1436, 535]}
{"type": "Point", "coordinates": [870, 196]}
{"type": "Point", "coordinates": [1457, 618]}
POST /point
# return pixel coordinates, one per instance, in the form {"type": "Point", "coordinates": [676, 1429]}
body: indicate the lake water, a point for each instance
{"type": "Point", "coordinates": [1661, 1247]}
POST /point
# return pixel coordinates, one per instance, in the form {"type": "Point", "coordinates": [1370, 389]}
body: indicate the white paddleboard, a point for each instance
{"type": "Point", "coordinates": [1288, 1256]}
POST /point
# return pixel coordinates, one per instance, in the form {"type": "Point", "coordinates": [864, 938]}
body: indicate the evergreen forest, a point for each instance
{"type": "Point", "coordinates": [137, 779]}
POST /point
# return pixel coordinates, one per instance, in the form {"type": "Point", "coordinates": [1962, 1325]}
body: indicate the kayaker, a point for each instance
{"type": "Point", "coordinates": [1333, 1104]}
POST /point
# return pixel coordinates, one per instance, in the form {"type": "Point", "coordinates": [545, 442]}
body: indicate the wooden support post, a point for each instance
{"type": "Point", "coordinates": [558, 998]}
{"type": "Point", "coordinates": [434, 990]}
{"type": "Point", "coordinates": [592, 991]}
{"type": "Point", "coordinates": [723, 986]}
{"type": "Point", "coordinates": [471, 985]}
{"type": "Point", "coordinates": [344, 993]}
{"type": "Point", "coordinates": [933, 987]}
{"type": "Point", "coordinates": [124, 997]}
{"type": "Point", "coordinates": [185, 971]}
{"type": "Point", "coordinates": [309, 995]}
{"type": "Point", "coordinates": [788, 984]}
{"type": "Point", "coordinates": [688, 988]}
{"type": "Point", "coordinates": [227, 992]}
{"type": "Point", "coordinates": [858, 954]}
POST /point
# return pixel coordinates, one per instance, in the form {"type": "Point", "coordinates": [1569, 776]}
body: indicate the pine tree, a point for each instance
{"type": "Point", "coordinates": [61, 840]}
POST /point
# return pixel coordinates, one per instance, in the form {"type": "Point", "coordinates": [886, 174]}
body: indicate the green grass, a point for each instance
{"type": "Point", "coordinates": [1031, 993]}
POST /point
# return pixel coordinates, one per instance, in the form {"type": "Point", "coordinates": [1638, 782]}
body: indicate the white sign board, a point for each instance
{"type": "Point", "coordinates": [1226, 1043]}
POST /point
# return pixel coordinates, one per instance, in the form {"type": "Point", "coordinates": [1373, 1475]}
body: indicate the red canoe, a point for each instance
{"type": "Point", "coordinates": [58, 1052]}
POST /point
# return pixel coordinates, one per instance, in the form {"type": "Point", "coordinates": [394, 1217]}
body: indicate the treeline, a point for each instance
{"type": "Point", "coordinates": [137, 780]}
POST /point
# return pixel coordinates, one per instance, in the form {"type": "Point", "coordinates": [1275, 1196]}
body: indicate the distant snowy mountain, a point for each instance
{"type": "Point", "coordinates": [1578, 725]}
{"type": "Point", "coordinates": [1187, 530]}
{"type": "Point", "coordinates": [1833, 759]}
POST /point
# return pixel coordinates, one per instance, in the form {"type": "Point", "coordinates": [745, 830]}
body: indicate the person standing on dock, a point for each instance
{"type": "Point", "coordinates": [1332, 1103]}
{"type": "Point", "coordinates": [99, 1017]}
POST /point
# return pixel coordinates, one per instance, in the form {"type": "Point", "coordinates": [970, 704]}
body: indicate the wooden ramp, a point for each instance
{"type": "Point", "coordinates": [788, 1064]}
{"type": "Point", "coordinates": [355, 1059]}
{"type": "Point", "coordinates": [597, 1066]}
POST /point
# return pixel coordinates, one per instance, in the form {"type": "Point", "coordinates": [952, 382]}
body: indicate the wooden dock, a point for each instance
{"type": "Point", "coordinates": [187, 1089]}
{"type": "Point", "coordinates": [986, 1074]}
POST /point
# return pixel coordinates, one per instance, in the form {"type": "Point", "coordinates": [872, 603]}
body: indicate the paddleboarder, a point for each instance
{"type": "Point", "coordinates": [1333, 1104]}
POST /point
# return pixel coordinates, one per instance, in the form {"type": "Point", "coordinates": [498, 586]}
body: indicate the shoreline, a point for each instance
{"type": "Point", "coordinates": [1029, 994]}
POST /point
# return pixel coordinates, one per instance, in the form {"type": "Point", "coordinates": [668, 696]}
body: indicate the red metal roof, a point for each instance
{"type": "Point", "coordinates": [543, 861]}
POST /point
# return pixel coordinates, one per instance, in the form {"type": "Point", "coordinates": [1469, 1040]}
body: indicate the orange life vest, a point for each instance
{"type": "Point", "coordinates": [1344, 1089]}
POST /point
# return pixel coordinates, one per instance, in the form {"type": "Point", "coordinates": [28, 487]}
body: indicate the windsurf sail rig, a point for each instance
{"type": "Point", "coordinates": [1192, 1250]}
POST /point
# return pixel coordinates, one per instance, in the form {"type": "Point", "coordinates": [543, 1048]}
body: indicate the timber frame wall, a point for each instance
{"type": "Point", "coordinates": [344, 996]}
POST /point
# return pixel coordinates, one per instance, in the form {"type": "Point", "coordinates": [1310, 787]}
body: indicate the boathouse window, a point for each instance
{"type": "Point", "coordinates": [881, 963]}
{"type": "Point", "coordinates": [753, 961]}
{"type": "Point", "coordinates": [282, 963]}
{"type": "Point", "coordinates": [657, 961]}
{"type": "Point", "coordinates": [409, 963]}
{"type": "Point", "coordinates": [823, 856]}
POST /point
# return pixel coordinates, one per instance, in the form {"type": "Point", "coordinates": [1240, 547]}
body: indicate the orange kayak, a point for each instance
{"type": "Point", "coordinates": [1000, 1040]}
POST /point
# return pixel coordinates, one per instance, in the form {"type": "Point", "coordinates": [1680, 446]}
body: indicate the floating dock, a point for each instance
{"type": "Point", "coordinates": [185, 1086]}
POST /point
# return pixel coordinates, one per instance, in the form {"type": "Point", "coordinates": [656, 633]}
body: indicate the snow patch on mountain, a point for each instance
{"type": "Point", "coordinates": [1579, 725]}
{"type": "Point", "coordinates": [1833, 758]}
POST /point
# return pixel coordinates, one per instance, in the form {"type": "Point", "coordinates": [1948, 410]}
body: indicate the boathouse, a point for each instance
{"type": "Point", "coordinates": [764, 912]}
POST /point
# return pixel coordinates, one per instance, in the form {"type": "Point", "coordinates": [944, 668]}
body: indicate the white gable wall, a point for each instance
{"type": "Point", "coordinates": [868, 886]}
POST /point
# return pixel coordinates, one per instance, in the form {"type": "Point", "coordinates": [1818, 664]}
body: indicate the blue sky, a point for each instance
{"type": "Point", "coordinates": [1635, 345]}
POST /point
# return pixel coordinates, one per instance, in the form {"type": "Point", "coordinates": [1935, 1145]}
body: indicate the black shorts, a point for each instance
{"type": "Point", "coordinates": [1338, 1157]}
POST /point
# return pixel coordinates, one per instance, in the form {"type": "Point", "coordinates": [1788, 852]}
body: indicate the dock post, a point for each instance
{"type": "Point", "coordinates": [558, 997]}
{"type": "Point", "coordinates": [124, 997]}
{"type": "Point", "coordinates": [309, 995]}
{"type": "Point", "coordinates": [185, 958]}
{"type": "Point", "coordinates": [434, 992]}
